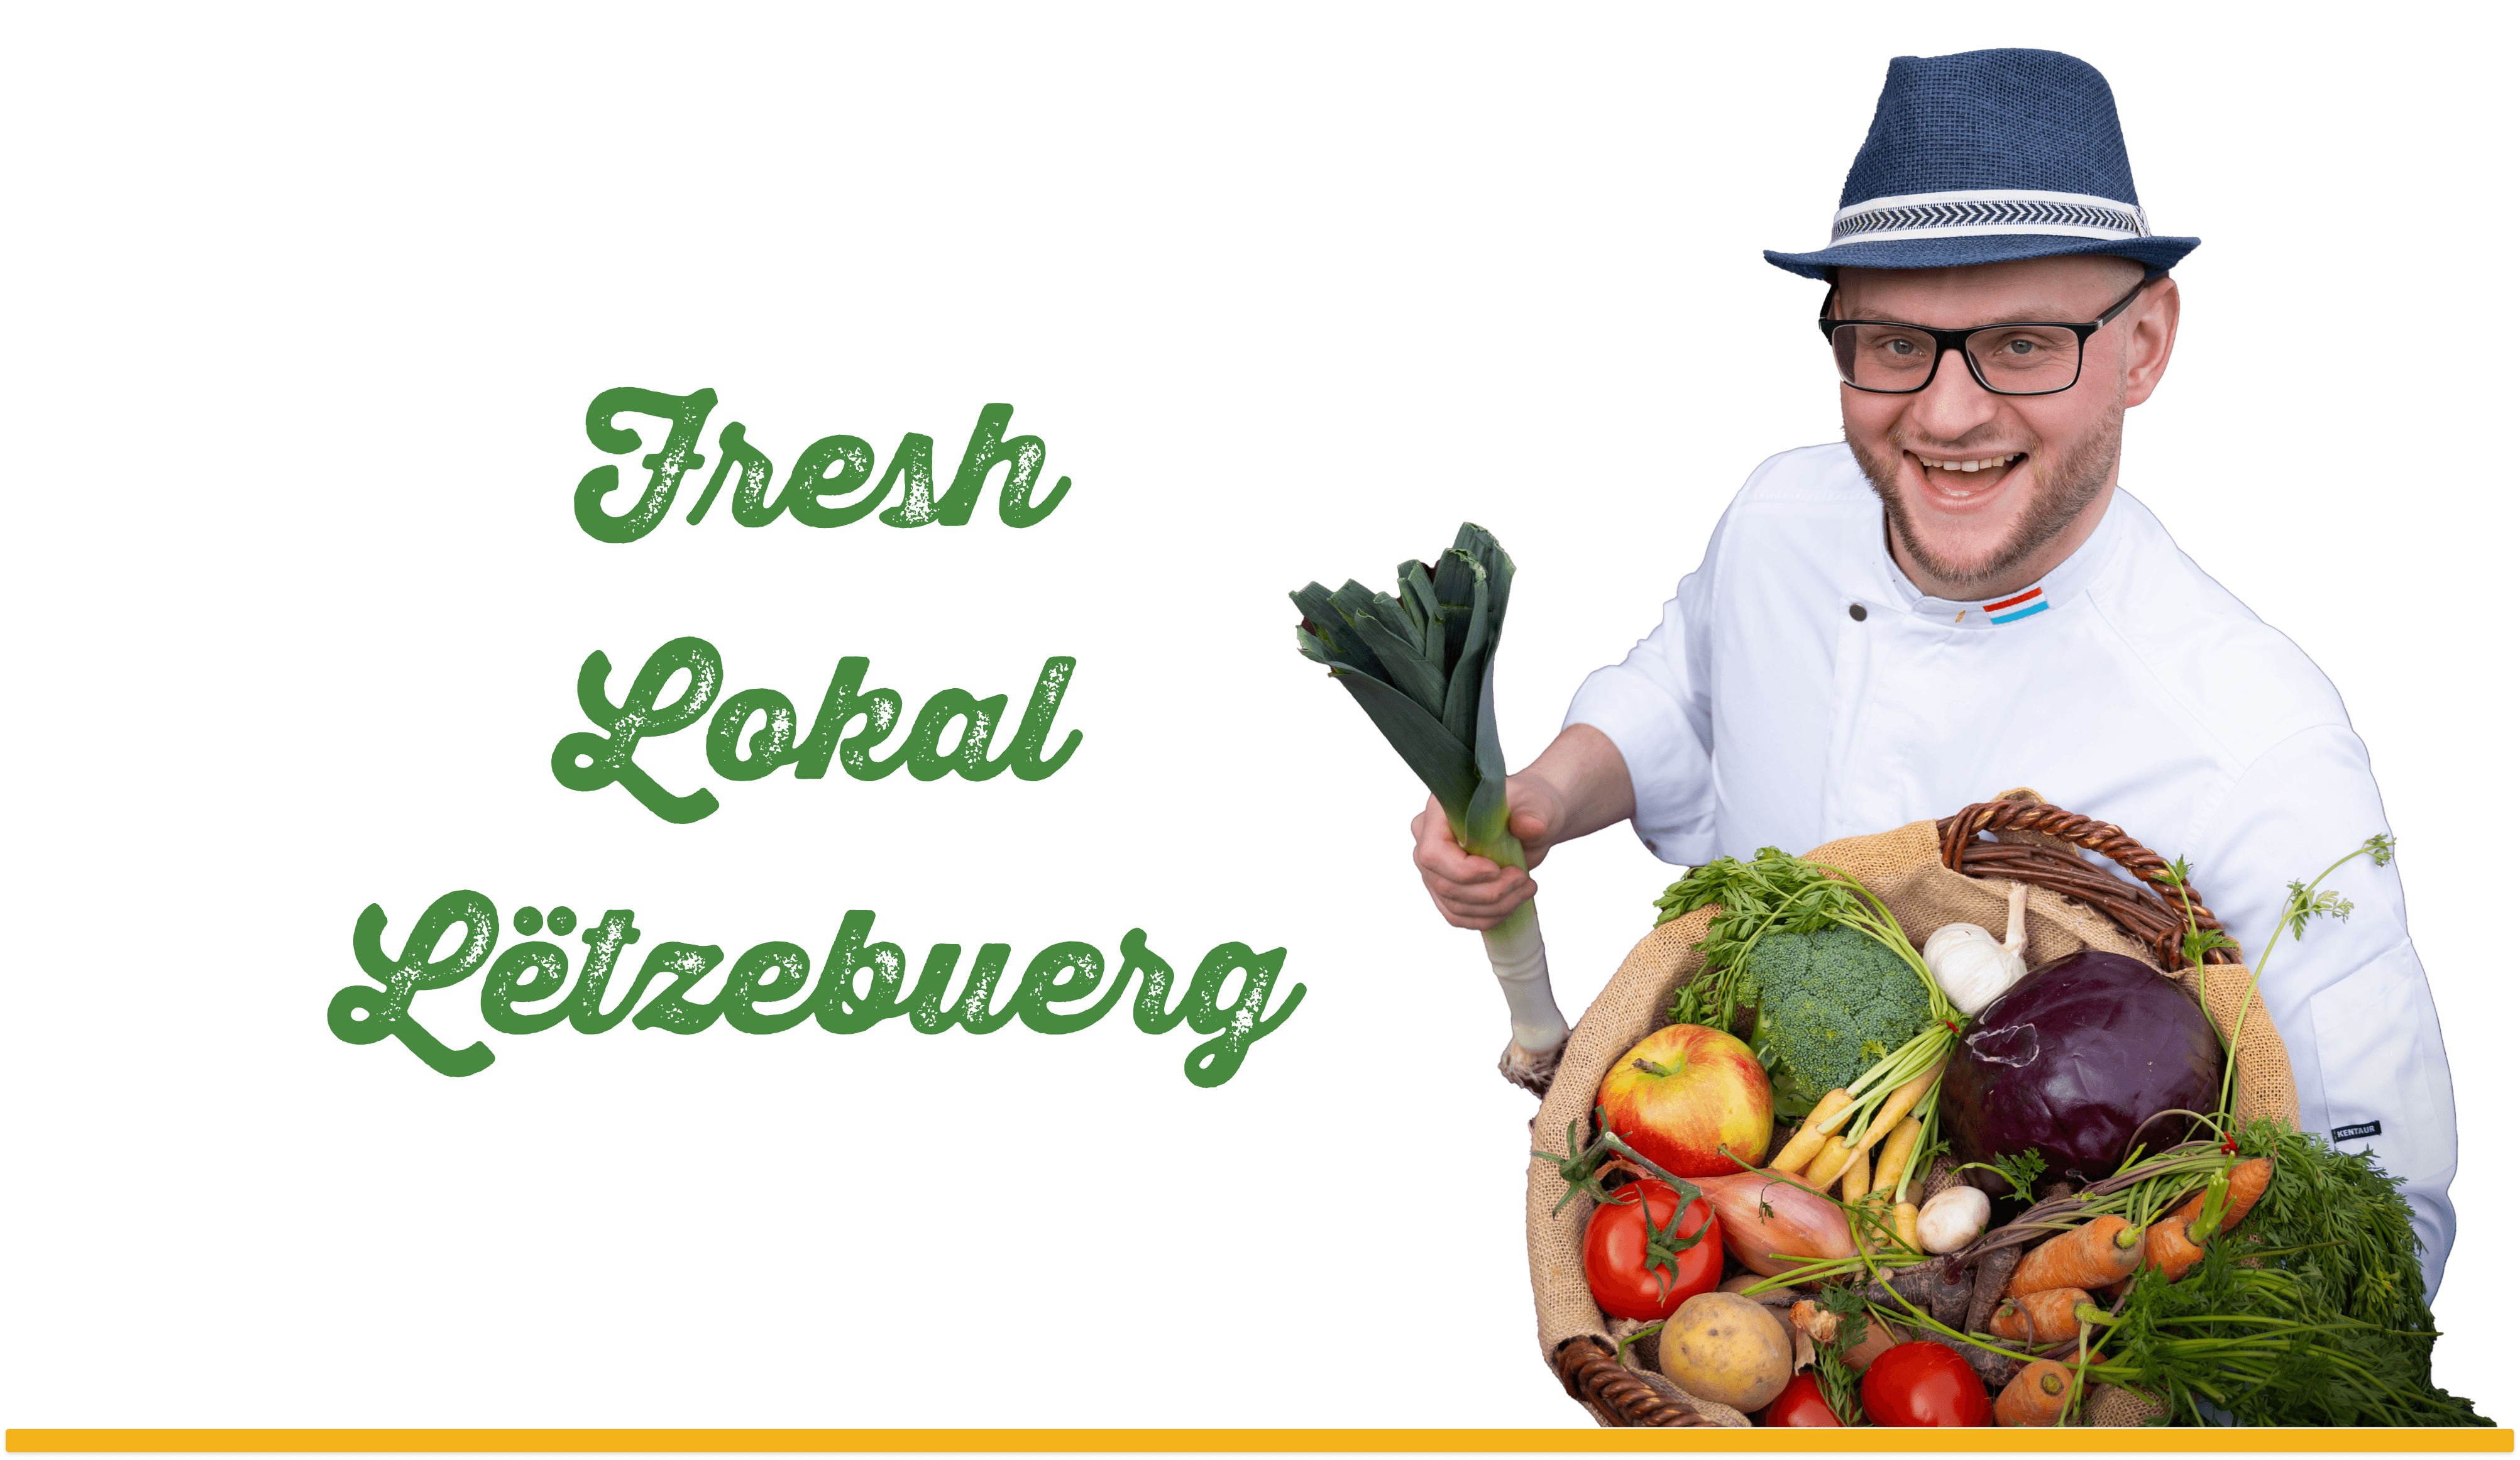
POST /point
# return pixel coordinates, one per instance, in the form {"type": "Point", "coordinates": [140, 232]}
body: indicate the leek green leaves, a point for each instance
{"type": "Point", "coordinates": [1422, 665]}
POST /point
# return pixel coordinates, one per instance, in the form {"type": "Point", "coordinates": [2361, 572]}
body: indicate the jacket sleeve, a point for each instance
{"type": "Point", "coordinates": [1653, 706]}
{"type": "Point", "coordinates": [2349, 994]}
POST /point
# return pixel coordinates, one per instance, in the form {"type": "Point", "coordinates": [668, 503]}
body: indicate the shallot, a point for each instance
{"type": "Point", "coordinates": [1773, 1225]}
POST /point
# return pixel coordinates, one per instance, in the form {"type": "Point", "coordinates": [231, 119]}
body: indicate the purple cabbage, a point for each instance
{"type": "Point", "coordinates": [2071, 1060]}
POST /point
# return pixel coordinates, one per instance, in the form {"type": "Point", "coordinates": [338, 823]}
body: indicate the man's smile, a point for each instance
{"type": "Point", "coordinates": [1961, 482]}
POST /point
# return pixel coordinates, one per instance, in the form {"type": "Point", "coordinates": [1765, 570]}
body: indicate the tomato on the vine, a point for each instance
{"type": "Point", "coordinates": [1800, 1406]}
{"type": "Point", "coordinates": [1925, 1385]}
{"type": "Point", "coordinates": [1633, 1258]}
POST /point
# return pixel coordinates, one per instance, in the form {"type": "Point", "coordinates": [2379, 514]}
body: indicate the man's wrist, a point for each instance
{"type": "Point", "coordinates": [1586, 782]}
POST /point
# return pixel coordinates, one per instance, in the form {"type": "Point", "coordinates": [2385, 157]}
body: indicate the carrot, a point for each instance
{"type": "Point", "coordinates": [1905, 1217]}
{"type": "Point", "coordinates": [2046, 1316]}
{"type": "Point", "coordinates": [2093, 1256]}
{"type": "Point", "coordinates": [1836, 1156]}
{"type": "Point", "coordinates": [1895, 1153]}
{"type": "Point", "coordinates": [2247, 1183]}
{"type": "Point", "coordinates": [1828, 1165]}
{"type": "Point", "coordinates": [2174, 1244]}
{"type": "Point", "coordinates": [1858, 1177]}
{"type": "Point", "coordinates": [2166, 1247]}
{"type": "Point", "coordinates": [1994, 1274]}
{"type": "Point", "coordinates": [1876, 1229]}
{"type": "Point", "coordinates": [2036, 1396]}
{"type": "Point", "coordinates": [1815, 1126]}
{"type": "Point", "coordinates": [1902, 1100]}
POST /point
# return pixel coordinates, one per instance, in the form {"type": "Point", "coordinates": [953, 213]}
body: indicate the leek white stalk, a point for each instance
{"type": "Point", "coordinates": [1522, 963]}
{"type": "Point", "coordinates": [1423, 666]}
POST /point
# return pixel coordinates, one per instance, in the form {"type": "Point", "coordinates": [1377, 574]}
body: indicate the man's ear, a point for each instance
{"type": "Point", "coordinates": [2150, 334]}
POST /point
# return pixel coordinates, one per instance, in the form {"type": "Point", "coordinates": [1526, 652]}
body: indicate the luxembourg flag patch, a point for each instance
{"type": "Point", "coordinates": [2019, 606]}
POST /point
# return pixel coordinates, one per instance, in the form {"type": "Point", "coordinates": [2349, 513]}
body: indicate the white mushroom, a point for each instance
{"type": "Point", "coordinates": [1953, 1219]}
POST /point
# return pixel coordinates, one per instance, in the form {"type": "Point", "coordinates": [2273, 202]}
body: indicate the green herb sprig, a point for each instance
{"type": "Point", "coordinates": [1839, 1384]}
{"type": "Point", "coordinates": [2020, 1171]}
{"type": "Point", "coordinates": [2304, 901]}
{"type": "Point", "coordinates": [1771, 893]}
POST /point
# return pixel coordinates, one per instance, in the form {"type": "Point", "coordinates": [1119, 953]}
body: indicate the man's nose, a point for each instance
{"type": "Point", "coordinates": [1953, 405]}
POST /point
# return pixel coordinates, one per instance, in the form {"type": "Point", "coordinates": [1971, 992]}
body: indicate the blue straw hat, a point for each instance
{"type": "Point", "coordinates": [1983, 156]}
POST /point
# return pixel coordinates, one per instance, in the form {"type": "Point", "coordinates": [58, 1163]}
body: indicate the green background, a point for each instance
{"type": "Point", "coordinates": [305, 308]}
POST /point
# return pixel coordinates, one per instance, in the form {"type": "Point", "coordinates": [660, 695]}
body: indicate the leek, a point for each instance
{"type": "Point", "coordinates": [1422, 665]}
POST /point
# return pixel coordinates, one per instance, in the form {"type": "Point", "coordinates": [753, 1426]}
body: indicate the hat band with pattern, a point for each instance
{"type": "Point", "coordinates": [1966, 214]}
{"type": "Point", "coordinates": [1989, 158]}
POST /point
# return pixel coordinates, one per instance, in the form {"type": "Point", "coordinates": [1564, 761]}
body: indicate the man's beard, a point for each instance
{"type": "Point", "coordinates": [2081, 474]}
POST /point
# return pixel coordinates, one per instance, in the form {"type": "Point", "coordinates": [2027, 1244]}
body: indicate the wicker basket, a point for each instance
{"type": "Point", "coordinates": [2012, 838]}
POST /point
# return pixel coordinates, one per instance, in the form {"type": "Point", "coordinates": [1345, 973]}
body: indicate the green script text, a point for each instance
{"type": "Point", "coordinates": [1065, 986]}
{"type": "Point", "coordinates": [951, 733]}
{"type": "Point", "coordinates": [818, 491]}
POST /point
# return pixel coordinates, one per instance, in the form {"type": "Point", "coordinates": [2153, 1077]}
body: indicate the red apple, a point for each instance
{"type": "Point", "coordinates": [1684, 1095]}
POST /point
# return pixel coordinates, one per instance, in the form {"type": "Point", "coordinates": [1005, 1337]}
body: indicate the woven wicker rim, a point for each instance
{"type": "Point", "coordinates": [1594, 1376]}
{"type": "Point", "coordinates": [2145, 908]}
{"type": "Point", "coordinates": [1587, 1366]}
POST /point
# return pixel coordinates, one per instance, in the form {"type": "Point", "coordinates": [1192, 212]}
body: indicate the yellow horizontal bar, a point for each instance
{"type": "Point", "coordinates": [1246, 1442]}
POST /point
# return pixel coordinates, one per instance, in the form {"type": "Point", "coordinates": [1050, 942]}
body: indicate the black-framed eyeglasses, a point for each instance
{"type": "Point", "coordinates": [2032, 358]}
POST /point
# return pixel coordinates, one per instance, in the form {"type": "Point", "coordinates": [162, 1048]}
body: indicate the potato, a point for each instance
{"type": "Point", "coordinates": [1724, 1347]}
{"type": "Point", "coordinates": [1736, 1284]}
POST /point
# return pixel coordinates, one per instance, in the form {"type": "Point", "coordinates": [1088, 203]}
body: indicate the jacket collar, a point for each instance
{"type": "Point", "coordinates": [2036, 603]}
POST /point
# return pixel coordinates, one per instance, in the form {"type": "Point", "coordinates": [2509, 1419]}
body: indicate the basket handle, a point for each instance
{"type": "Point", "coordinates": [1586, 1366]}
{"type": "Point", "coordinates": [2143, 909]}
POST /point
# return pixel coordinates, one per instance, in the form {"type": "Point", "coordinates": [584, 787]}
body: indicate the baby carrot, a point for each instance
{"type": "Point", "coordinates": [1895, 1153]}
{"type": "Point", "coordinates": [2093, 1256]}
{"type": "Point", "coordinates": [1827, 1166]}
{"type": "Point", "coordinates": [1815, 1127]}
{"type": "Point", "coordinates": [2046, 1316]}
{"type": "Point", "coordinates": [1902, 1100]}
{"type": "Point", "coordinates": [1836, 1156]}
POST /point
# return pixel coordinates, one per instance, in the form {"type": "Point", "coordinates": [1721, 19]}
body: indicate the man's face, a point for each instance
{"type": "Point", "coordinates": [1982, 489]}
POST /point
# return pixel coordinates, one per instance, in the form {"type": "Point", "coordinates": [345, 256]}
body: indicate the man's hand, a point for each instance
{"type": "Point", "coordinates": [1578, 786]}
{"type": "Point", "coordinates": [1469, 890]}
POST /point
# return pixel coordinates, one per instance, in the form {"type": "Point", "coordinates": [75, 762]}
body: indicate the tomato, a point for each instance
{"type": "Point", "coordinates": [1800, 1407]}
{"type": "Point", "coordinates": [1618, 1257]}
{"type": "Point", "coordinates": [1925, 1385]}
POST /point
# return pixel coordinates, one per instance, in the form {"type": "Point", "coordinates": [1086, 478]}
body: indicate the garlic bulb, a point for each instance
{"type": "Point", "coordinates": [1970, 966]}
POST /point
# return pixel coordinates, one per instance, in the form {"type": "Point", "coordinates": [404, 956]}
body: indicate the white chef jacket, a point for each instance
{"type": "Point", "coordinates": [1800, 689]}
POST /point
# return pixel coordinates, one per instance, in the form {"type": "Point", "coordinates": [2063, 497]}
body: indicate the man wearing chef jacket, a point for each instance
{"type": "Point", "coordinates": [1959, 598]}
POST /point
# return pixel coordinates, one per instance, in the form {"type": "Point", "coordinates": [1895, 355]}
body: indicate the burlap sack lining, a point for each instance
{"type": "Point", "coordinates": [1904, 869]}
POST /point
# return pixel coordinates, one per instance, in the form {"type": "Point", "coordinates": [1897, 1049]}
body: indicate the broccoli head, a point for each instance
{"type": "Point", "coordinates": [1830, 1006]}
